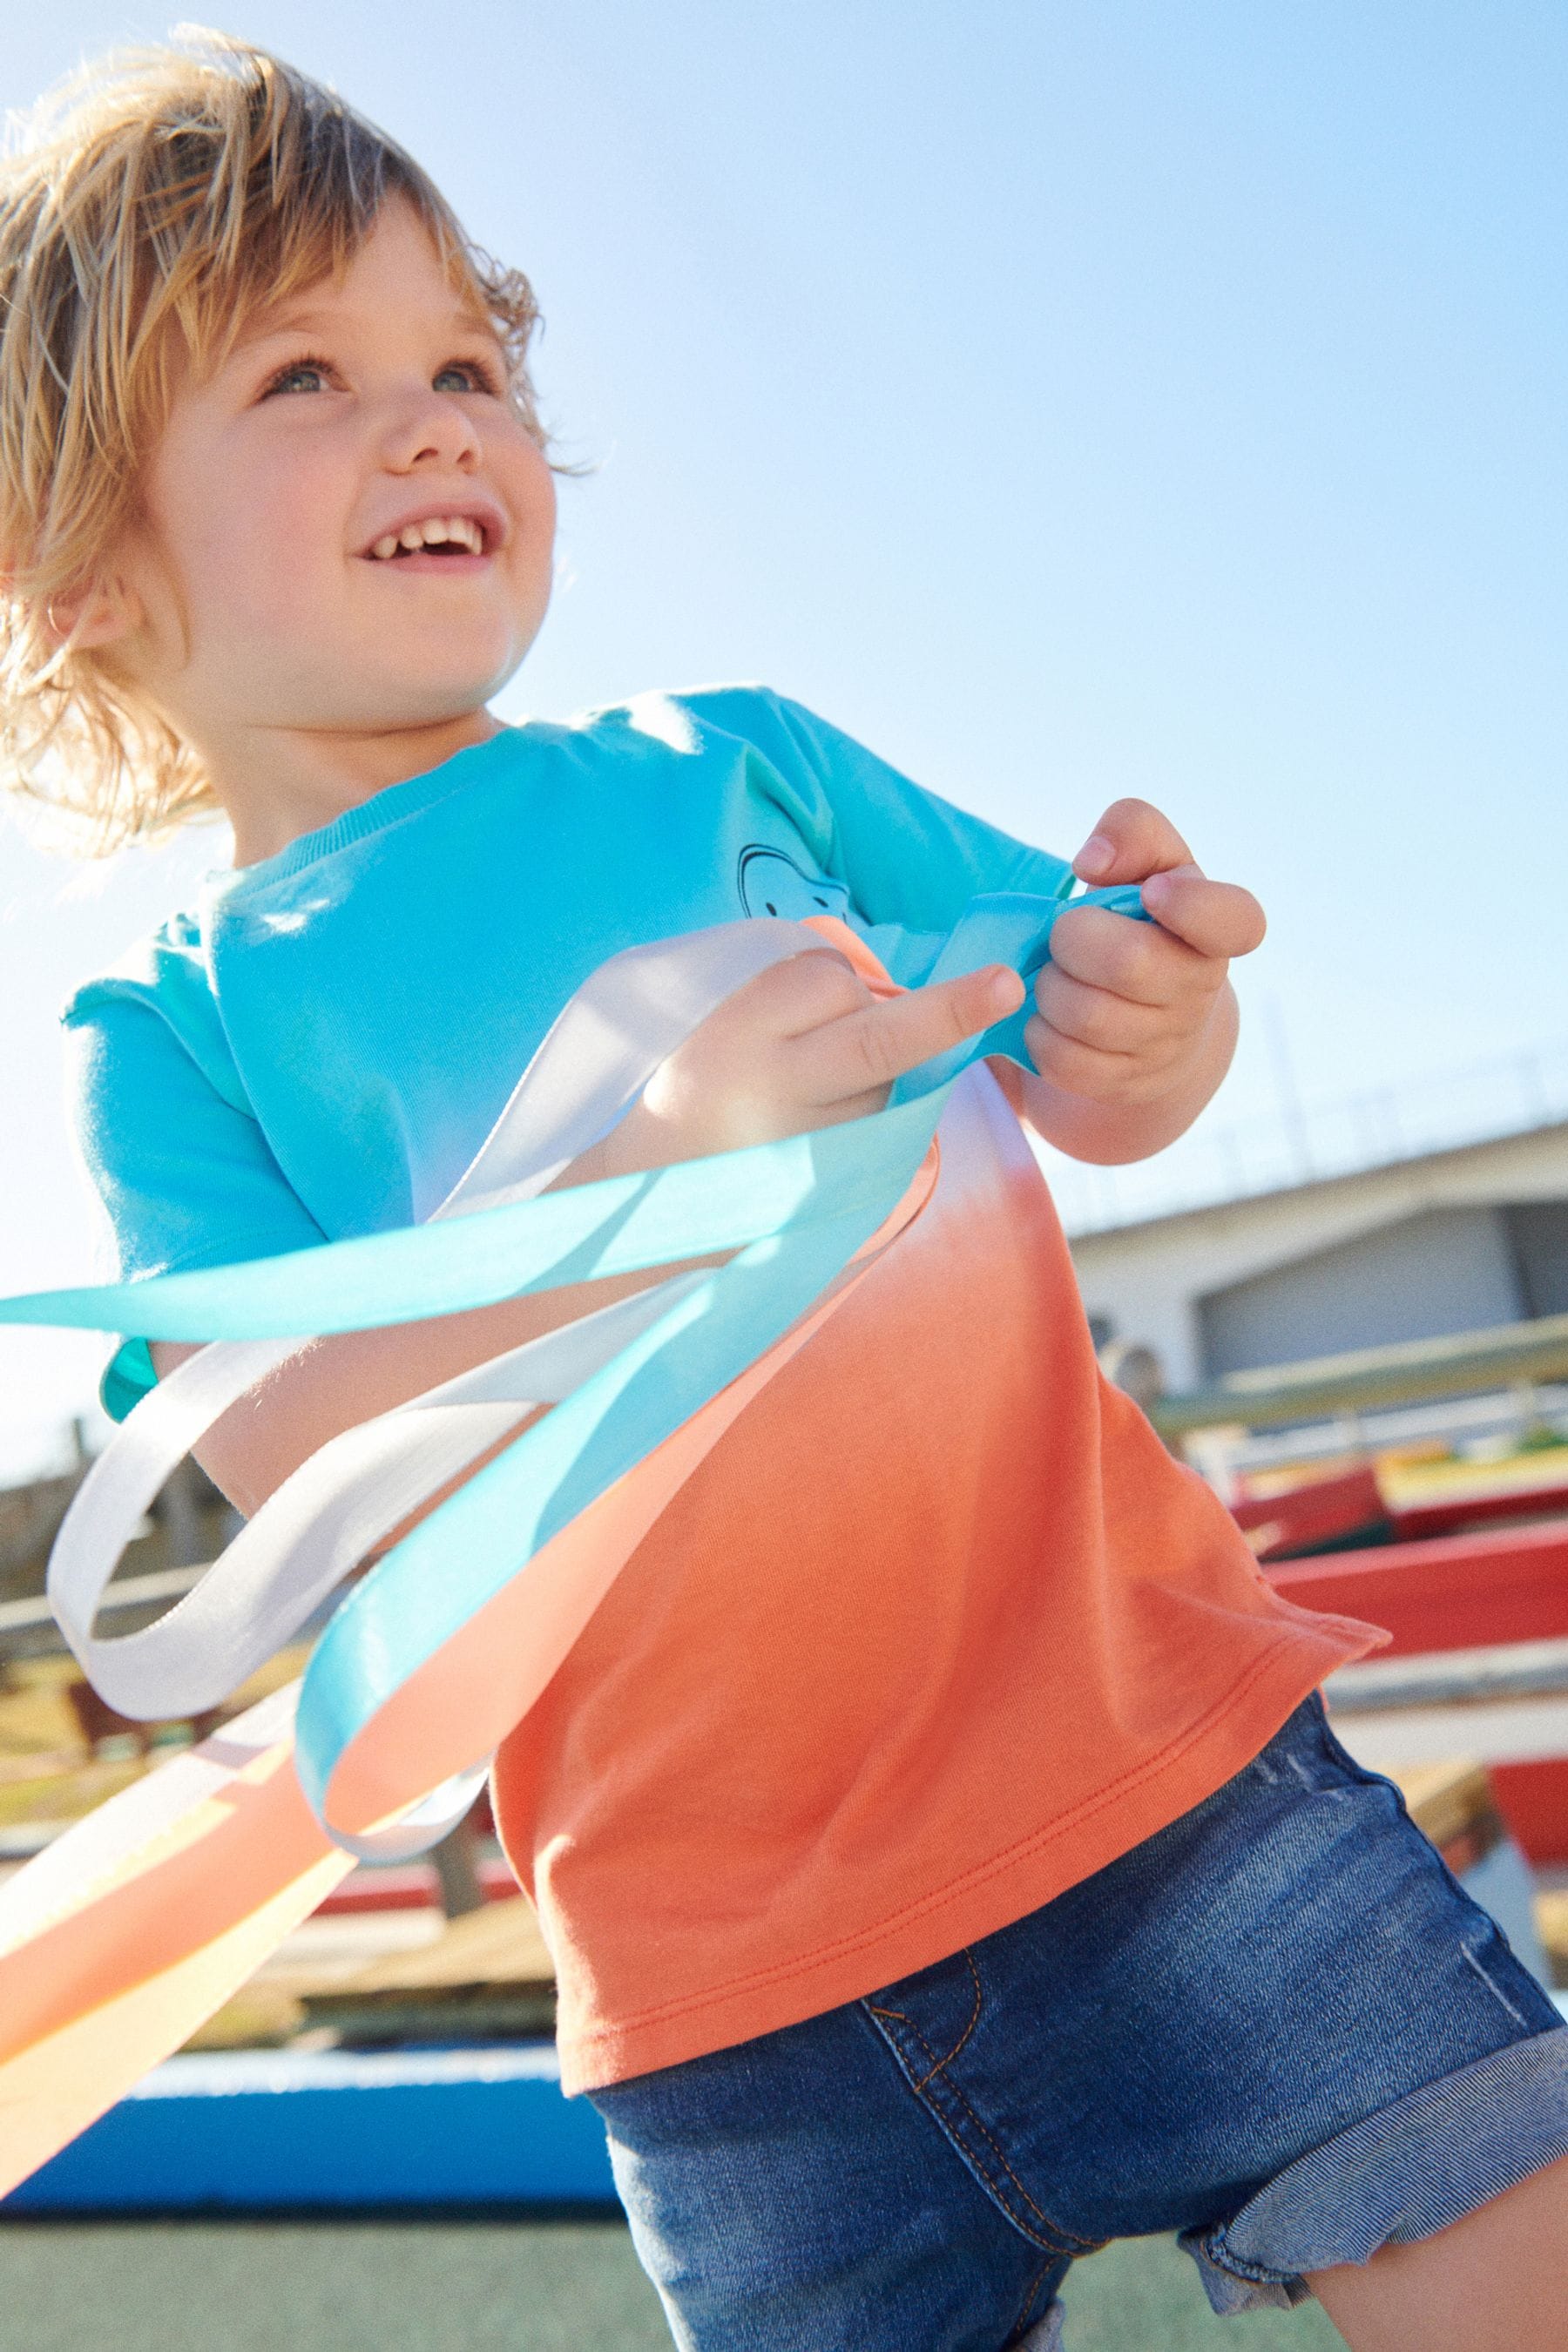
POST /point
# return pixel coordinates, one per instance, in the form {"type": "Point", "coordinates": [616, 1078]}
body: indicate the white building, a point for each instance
{"type": "Point", "coordinates": [1450, 1241]}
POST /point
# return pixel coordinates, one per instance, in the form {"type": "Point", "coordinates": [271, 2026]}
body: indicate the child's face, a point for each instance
{"type": "Point", "coordinates": [366, 407]}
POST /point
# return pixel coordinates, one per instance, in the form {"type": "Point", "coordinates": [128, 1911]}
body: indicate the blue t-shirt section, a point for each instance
{"type": "Point", "coordinates": [320, 1047]}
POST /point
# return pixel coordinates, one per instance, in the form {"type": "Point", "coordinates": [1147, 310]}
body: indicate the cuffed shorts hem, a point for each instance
{"type": "Point", "coordinates": [1280, 2027]}
{"type": "Point", "coordinates": [1399, 2175]}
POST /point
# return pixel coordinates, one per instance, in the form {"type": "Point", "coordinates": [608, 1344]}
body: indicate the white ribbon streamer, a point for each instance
{"type": "Point", "coordinates": [318, 1526]}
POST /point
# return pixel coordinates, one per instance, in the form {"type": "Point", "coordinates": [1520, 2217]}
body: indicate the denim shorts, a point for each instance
{"type": "Point", "coordinates": [1280, 2027]}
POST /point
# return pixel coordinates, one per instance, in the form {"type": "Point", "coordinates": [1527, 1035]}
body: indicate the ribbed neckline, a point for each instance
{"type": "Point", "coordinates": [373, 815]}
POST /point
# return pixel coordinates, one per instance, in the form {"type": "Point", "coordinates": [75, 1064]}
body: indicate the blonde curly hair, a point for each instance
{"type": "Point", "coordinates": [159, 191]}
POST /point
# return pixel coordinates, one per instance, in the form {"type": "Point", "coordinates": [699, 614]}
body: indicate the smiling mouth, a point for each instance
{"type": "Point", "coordinates": [446, 536]}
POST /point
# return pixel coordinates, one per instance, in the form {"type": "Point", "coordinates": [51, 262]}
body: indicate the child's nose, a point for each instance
{"type": "Point", "coordinates": [429, 425]}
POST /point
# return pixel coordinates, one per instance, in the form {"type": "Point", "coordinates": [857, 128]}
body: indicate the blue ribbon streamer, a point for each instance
{"type": "Point", "coordinates": [795, 1210]}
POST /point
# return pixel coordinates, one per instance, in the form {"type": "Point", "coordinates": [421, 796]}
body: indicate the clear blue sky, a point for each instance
{"type": "Point", "coordinates": [1075, 399]}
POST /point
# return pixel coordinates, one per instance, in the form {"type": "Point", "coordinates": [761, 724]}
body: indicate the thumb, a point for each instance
{"type": "Point", "coordinates": [1131, 841]}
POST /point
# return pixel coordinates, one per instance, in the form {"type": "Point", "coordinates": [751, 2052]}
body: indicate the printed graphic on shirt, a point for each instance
{"type": "Point", "coordinates": [770, 883]}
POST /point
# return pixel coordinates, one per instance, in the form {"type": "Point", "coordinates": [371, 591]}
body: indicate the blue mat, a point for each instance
{"type": "Point", "coordinates": [253, 2130]}
{"type": "Point", "coordinates": [279, 2130]}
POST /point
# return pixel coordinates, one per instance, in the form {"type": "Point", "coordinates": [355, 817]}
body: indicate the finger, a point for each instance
{"type": "Point", "coordinates": [1089, 1071]}
{"type": "Point", "coordinates": [1141, 961]}
{"type": "Point", "coordinates": [1093, 1016]}
{"type": "Point", "coordinates": [1131, 841]}
{"type": "Point", "coordinates": [1217, 919]}
{"type": "Point", "coordinates": [798, 994]}
{"type": "Point", "coordinates": [867, 1050]}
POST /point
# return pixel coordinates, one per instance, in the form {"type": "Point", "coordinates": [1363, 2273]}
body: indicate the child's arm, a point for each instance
{"type": "Point", "coordinates": [1135, 1023]}
{"type": "Point", "coordinates": [803, 1045]}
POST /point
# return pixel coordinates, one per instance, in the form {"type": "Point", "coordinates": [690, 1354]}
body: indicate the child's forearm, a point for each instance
{"type": "Point", "coordinates": [336, 1383]}
{"type": "Point", "coordinates": [1108, 1132]}
{"type": "Point", "coordinates": [803, 1045]}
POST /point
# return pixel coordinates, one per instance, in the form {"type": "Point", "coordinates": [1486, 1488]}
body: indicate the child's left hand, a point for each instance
{"type": "Point", "coordinates": [1128, 1012]}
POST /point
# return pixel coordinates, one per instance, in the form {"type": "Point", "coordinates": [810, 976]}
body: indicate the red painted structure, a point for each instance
{"type": "Point", "coordinates": [1448, 1592]}
{"type": "Point", "coordinates": [1463, 1592]}
{"type": "Point", "coordinates": [1442, 1518]}
{"type": "Point", "coordinates": [1307, 1517]}
{"type": "Point", "coordinates": [408, 1887]}
{"type": "Point", "coordinates": [1332, 1514]}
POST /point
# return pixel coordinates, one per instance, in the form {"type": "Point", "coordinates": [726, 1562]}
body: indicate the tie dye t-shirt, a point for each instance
{"type": "Point", "coordinates": [938, 1627]}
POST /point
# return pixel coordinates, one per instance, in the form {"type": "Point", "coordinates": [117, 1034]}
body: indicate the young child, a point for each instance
{"type": "Point", "coordinates": [945, 1856]}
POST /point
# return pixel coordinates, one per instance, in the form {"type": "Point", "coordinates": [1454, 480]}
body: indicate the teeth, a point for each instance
{"type": "Point", "coordinates": [441, 531]}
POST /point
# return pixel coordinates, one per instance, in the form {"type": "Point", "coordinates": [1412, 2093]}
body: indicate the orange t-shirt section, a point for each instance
{"type": "Point", "coordinates": [937, 1629]}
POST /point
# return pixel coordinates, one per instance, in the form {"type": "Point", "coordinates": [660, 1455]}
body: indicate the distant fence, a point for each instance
{"type": "Point", "coordinates": [1297, 1144]}
{"type": "Point", "coordinates": [1471, 1363]}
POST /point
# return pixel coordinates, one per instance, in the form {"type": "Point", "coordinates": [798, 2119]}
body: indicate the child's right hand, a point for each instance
{"type": "Point", "coordinates": [805, 1045]}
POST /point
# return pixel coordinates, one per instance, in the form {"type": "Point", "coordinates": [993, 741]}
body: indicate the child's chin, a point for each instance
{"type": "Point", "coordinates": [416, 692]}
{"type": "Point", "coordinates": [434, 662]}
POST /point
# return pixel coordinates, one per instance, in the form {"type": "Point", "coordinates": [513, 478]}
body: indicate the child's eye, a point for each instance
{"type": "Point", "coordinates": [310, 374]}
{"type": "Point", "coordinates": [296, 377]}
{"type": "Point", "coordinates": [480, 378]}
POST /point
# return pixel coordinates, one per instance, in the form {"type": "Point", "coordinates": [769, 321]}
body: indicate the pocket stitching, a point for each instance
{"type": "Point", "coordinates": [1068, 2240]}
{"type": "Point", "coordinates": [1044, 2231]}
{"type": "Point", "coordinates": [973, 2021]}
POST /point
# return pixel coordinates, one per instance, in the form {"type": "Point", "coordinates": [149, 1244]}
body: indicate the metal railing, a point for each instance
{"type": "Point", "coordinates": [1470, 1364]}
{"type": "Point", "coordinates": [1221, 1160]}
{"type": "Point", "coordinates": [32, 1614]}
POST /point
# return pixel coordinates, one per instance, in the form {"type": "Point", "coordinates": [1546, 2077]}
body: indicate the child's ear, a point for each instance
{"type": "Point", "coordinates": [100, 612]}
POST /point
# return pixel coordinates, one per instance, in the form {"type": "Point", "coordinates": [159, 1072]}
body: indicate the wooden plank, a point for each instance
{"type": "Point", "coordinates": [1449, 1801]}
{"type": "Point", "coordinates": [488, 1974]}
{"type": "Point", "coordinates": [1552, 1918]}
{"type": "Point", "coordinates": [36, 1716]}
{"type": "Point", "coordinates": [501, 1944]}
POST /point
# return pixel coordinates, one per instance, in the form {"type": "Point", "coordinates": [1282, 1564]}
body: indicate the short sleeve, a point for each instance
{"type": "Point", "coordinates": [908, 856]}
{"type": "Point", "coordinates": [183, 1175]}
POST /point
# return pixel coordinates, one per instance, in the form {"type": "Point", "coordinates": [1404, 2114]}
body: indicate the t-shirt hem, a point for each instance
{"type": "Point", "coordinates": [1032, 1872]}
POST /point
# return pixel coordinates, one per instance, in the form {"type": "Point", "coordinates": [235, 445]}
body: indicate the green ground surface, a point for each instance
{"type": "Point", "coordinates": [476, 2286]}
